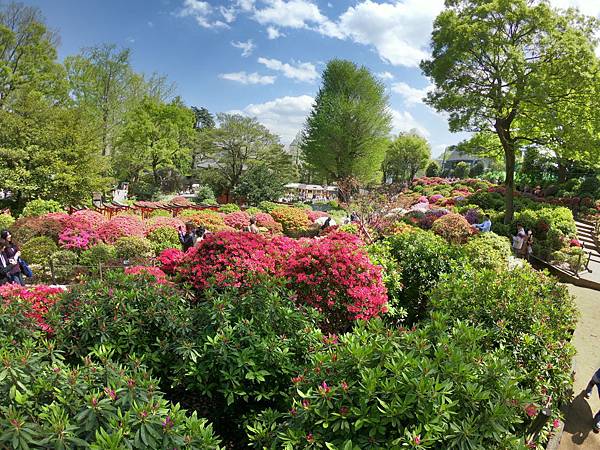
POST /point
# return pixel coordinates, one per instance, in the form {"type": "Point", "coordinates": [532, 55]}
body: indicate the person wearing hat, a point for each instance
{"type": "Point", "coordinates": [12, 254]}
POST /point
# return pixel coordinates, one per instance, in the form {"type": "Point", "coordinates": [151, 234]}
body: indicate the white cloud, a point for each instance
{"type": "Point", "coordinates": [150, 24]}
{"type": "Point", "coordinates": [298, 71]}
{"type": "Point", "coordinates": [589, 7]}
{"type": "Point", "coordinates": [248, 78]}
{"type": "Point", "coordinates": [274, 33]}
{"type": "Point", "coordinates": [385, 75]}
{"type": "Point", "coordinates": [411, 95]}
{"type": "Point", "coordinates": [229, 14]}
{"type": "Point", "coordinates": [404, 121]}
{"type": "Point", "coordinates": [246, 47]}
{"type": "Point", "coordinates": [201, 11]}
{"type": "Point", "coordinates": [284, 116]}
{"type": "Point", "coordinates": [245, 5]}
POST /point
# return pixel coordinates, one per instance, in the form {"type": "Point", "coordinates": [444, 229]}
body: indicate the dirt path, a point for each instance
{"type": "Point", "coordinates": [578, 428]}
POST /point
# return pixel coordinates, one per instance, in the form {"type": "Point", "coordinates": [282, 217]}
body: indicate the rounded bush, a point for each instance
{"type": "Point", "coordinates": [211, 220]}
{"type": "Point", "coordinates": [38, 250]}
{"type": "Point", "coordinates": [452, 227]}
{"type": "Point", "coordinates": [160, 213]}
{"type": "Point", "coordinates": [40, 207]}
{"type": "Point", "coordinates": [34, 303]}
{"type": "Point", "coordinates": [228, 208]}
{"type": "Point", "coordinates": [48, 225]}
{"type": "Point", "coordinates": [488, 251]}
{"type": "Point", "coordinates": [163, 238]}
{"type": "Point", "coordinates": [294, 221]}
{"type": "Point", "coordinates": [133, 248]}
{"type": "Point", "coordinates": [6, 220]}
{"type": "Point", "coordinates": [238, 220]}
{"type": "Point", "coordinates": [64, 263]}
{"type": "Point", "coordinates": [265, 220]}
{"type": "Point", "coordinates": [121, 226]}
{"type": "Point", "coordinates": [93, 218]}
{"type": "Point", "coordinates": [268, 207]}
{"type": "Point", "coordinates": [161, 222]}
{"type": "Point", "coordinates": [98, 254]}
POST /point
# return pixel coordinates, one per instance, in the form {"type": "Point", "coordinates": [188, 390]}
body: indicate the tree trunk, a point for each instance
{"type": "Point", "coordinates": [562, 171]}
{"type": "Point", "coordinates": [508, 145]}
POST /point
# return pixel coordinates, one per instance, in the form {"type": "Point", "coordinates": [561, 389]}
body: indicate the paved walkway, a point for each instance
{"type": "Point", "coordinates": [578, 427]}
{"type": "Point", "coordinates": [585, 234]}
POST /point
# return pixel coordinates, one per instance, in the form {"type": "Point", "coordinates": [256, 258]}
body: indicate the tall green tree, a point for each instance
{"type": "Point", "coordinates": [237, 145]}
{"type": "Point", "coordinates": [156, 137]}
{"type": "Point", "coordinates": [346, 132]}
{"type": "Point", "coordinates": [405, 156]}
{"type": "Point", "coordinates": [495, 60]}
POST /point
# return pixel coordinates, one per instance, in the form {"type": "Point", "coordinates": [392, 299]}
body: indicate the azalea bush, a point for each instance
{"type": "Point", "coordinates": [93, 218]}
{"type": "Point", "coordinates": [152, 273]}
{"type": "Point", "coordinates": [369, 389]}
{"type": "Point", "coordinates": [161, 222]}
{"type": "Point", "coordinates": [228, 208]}
{"type": "Point", "coordinates": [265, 220]}
{"type": "Point", "coordinates": [6, 220]}
{"type": "Point", "coordinates": [38, 250]}
{"type": "Point", "coordinates": [34, 300]}
{"type": "Point", "coordinates": [64, 266]}
{"type": "Point", "coordinates": [170, 259]}
{"type": "Point", "coordinates": [210, 220]}
{"type": "Point", "coordinates": [525, 311]}
{"type": "Point", "coordinates": [40, 207]}
{"type": "Point", "coordinates": [238, 220]}
{"type": "Point", "coordinates": [488, 250]}
{"type": "Point", "coordinates": [162, 238]}
{"type": "Point", "coordinates": [294, 221]}
{"type": "Point", "coordinates": [132, 248]}
{"type": "Point", "coordinates": [49, 225]}
{"type": "Point", "coordinates": [121, 226]}
{"type": "Point", "coordinates": [98, 254]}
{"type": "Point", "coordinates": [77, 238]}
{"type": "Point", "coordinates": [99, 403]}
{"type": "Point", "coordinates": [453, 227]}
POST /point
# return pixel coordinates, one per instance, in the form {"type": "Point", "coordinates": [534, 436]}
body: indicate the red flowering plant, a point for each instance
{"type": "Point", "coordinates": [121, 226]}
{"type": "Point", "coordinates": [49, 225]}
{"type": "Point", "coordinates": [156, 273]}
{"type": "Point", "coordinates": [314, 215]}
{"type": "Point", "coordinates": [264, 220]}
{"type": "Point", "coordinates": [336, 276]}
{"type": "Point", "coordinates": [160, 221]}
{"type": "Point", "coordinates": [238, 220]}
{"type": "Point", "coordinates": [77, 238]}
{"type": "Point", "coordinates": [211, 220]}
{"type": "Point", "coordinates": [93, 218]}
{"type": "Point", "coordinates": [169, 259]}
{"type": "Point", "coordinates": [38, 300]}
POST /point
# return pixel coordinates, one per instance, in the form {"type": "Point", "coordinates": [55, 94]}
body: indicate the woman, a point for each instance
{"type": "Point", "coordinates": [5, 266]}
{"type": "Point", "coordinates": [253, 228]}
{"type": "Point", "coordinates": [187, 238]}
{"type": "Point", "coordinates": [12, 254]}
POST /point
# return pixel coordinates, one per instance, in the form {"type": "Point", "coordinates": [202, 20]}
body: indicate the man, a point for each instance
{"type": "Point", "coordinates": [484, 226]}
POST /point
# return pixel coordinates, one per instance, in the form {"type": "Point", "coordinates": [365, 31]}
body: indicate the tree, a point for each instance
{"type": "Point", "coordinates": [261, 183]}
{"type": "Point", "coordinates": [238, 144]}
{"type": "Point", "coordinates": [204, 119]}
{"type": "Point", "coordinates": [346, 132]}
{"type": "Point", "coordinates": [432, 170]}
{"type": "Point", "coordinates": [476, 170]}
{"type": "Point", "coordinates": [157, 137]}
{"type": "Point", "coordinates": [461, 170]}
{"type": "Point", "coordinates": [493, 61]}
{"type": "Point", "coordinates": [405, 156]}
{"type": "Point", "coordinates": [27, 55]}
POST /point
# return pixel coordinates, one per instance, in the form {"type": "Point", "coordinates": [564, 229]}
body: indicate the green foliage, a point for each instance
{"type": "Point", "coordinates": [228, 208]}
{"type": "Point", "coordinates": [346, 131]}
{"type": "Point", "coordinates": [476, 170]}
{"type": "Point", "coordinates": [162, 238]}
{"type": "Point", "coordinates": [268, 207]}
{"type": "Point", "coordinates": [295, 221]}
{"type": "Point", "coordinates": [432, 170]}
{"type": "Point", "coordinates": [248, 344]}
{"type": "Point", "coordinates": [49, 404]}
{"type": "Point", "coordinates": [261, 183]}
{"type": "Point", "coordinates": [461, 170]}
{"type": "Point", "coordinates": [405, 156]}
{"type": "Point", "coordinates": [160, 213]}
{"type": "Point", "coordinates": [40, 207]}
{"type": "Point", "coordinates": [133, 248]}
{"type": "Point", "coordinates": [127, 314]}
{"type": "Point", "coordinates": [253, 210]}
{"type": "Point", "coordinates": [64, 263]}
{"type": "Point", "coordinates": [6, 220]}
{"type": "Point", "coordinates": [205, 195]}
{"type": "Point", "coordinates": [380, 253]}
{"type": "Point", "coordinates": [38, 250]}
{"type": "Point", "coordinates": [369, 391]}
{"type": "Point", "coordinates": [423, 258]}
{"type": "Point", "coordinates": [526, 312]}
{"type": "Point", "coordinates": [452, 227]}
{"type": "Point", "coordinates": [98, 254]}
{"type": "Point", "coordinates": [488, 251]}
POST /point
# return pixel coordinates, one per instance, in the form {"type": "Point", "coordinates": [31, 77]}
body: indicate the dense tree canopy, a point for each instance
{"type": "Point", "coordinates": [405, 156]}
{"type": "Point", "coordinates": [346, 132]}
{"type": "Point", "coordinates": [500, 66]}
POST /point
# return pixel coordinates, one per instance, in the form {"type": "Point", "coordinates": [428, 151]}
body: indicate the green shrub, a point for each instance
{"type": "Point", "coordinates": [64, 263]}
{"type": "Point", "coordinates": [6, 220]}
{"type": "Point", "coordinates": [380, 253]}
{"type": "Point", "coordinates": [49, 404]}
{"type": "Point", "coordinates": [228, 208]}
{"type": "Point", "coordinates": [38, 250]}
{"type": "Point", "coordinates": [488, 251]}
{"type": "Point", "coordinates": [127, 314]}
{"type": "Point", "coordinates": [204, 195]}
{"type": "Point", "coordinates": [162, 238]}
{"type": "Point", "coordinates": [527, 312]}
{"type": "Point", "coordinates": [452, 227]}
{"type": "Point", "coordinates": [40, 207]}
{"type": "Point", "coordinates": [423, 257]}
{"type": "Point", "coordinates": [574, 258]}
{"type": "Point", "coordinates": [268, 206]}
{"type": "Point", "coordinates": [438, 387]}
{"type": "Point", "coordinates": [253, 210]}
{"type": "Point", "coordinates": [248, 345]}
{"type": "Point", "coordinates": [133, 248]}
{"type": "Point", "coordinates": [160, 213]}
{"type": "Point", "coordinates": [98, 254]}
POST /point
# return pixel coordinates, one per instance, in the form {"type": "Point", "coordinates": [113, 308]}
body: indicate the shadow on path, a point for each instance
{"type": "Point", "coordinates": [579, 420]}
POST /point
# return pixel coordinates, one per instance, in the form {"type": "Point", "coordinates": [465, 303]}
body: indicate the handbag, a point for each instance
{"type": "Point", "coordinates": [25, 269]}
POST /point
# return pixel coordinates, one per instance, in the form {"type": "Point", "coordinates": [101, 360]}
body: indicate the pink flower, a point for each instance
{"type": "Point", "coordinates": [555, 423]}
{"type": "Point", "coordinates": [531, 410]}
{"type": "Point", "coordinates": [417, 439]}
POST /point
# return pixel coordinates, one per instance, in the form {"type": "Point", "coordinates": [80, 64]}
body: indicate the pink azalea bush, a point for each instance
{"type": "Point", "coordinates": [77, 238]}
{"type": "Point", "coordinates": [159, 276]}
{"type": "Point", "coordinates": [121, 226]}
{"type": "Point", "coordinates": [38, 298]}
{"type": "Point", "coordinates": [314, 215]}
{"type": "Point", "coordinates": [264, 220]}
{"type": "Point", "coordinates": [93, 218]}
{"type": "Point", "coordinates": [169, 259]}
{"type": "Point", "coordinates": [237, 220]}
{"type": "Point", "coordinates": [161, 221]}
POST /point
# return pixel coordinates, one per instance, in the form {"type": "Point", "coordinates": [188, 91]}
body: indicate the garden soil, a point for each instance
{"type": "Point", "coordinates": [578, 432]}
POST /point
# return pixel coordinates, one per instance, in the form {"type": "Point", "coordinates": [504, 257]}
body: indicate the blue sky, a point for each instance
{"type": "Point", "coordinates": [264, 57]}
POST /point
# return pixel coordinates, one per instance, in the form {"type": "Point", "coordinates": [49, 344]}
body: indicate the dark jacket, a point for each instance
{"type": "Point", "coordinates": [9, 253]}
{"type": "Point", "coordinates": [188, 240]}
{"type": "Point", "coordinates": [5, 268]}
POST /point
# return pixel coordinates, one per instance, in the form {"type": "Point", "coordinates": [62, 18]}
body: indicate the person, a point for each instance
{"type": "Point", "coordinates": [528, 251]}
{"type": "Point", "coordinates": [252, 228]}
{"type": "Point", "coordinates": [200, 235]}
{"type": "Point", "coordinates": [354, 217]}
{"type": "Point", "coordinates": [595, 381]}
{"type": "Point", "coordinates": [326, 224]}
{"type": "Point", "coordinates": [519, 240]}
{"type": "Point", "coordinates": [188, 238]}
{"type": "Point", "coordinates": [484, 226]}
{"type": "Point", "coordinates": [12, 254]}
{"type": "Point", "coordinates": [5, 265]}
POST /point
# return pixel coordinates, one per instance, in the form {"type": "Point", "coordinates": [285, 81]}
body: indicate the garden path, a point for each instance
{"type": "Point", "coordinates": [578, 427]}
{"type": "Point", "coordinates": [585, 232]}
